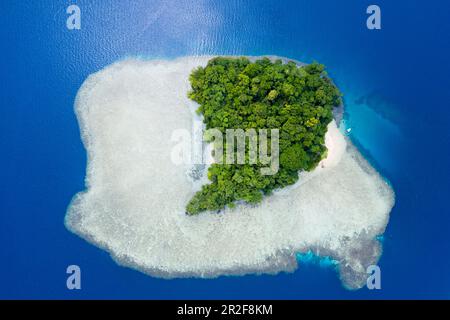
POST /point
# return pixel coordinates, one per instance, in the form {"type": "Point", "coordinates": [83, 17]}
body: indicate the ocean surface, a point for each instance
{"type": "Point", "coordinates": [397, 99]}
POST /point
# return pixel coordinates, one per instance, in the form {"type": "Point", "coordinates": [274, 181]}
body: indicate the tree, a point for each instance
{"type": "Point", "coordinates": [234, 93]}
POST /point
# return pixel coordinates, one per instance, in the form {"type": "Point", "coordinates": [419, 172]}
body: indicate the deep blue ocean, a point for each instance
{"type": "Point", "coordinates": [396, 90]}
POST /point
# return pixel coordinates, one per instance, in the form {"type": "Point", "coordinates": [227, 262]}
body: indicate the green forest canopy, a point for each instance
{"type": "Point", "coordinates": [234, 93]}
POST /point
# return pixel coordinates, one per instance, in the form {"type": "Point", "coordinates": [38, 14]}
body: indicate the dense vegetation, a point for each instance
{"type": "Point", "coordinates": [235, 93]}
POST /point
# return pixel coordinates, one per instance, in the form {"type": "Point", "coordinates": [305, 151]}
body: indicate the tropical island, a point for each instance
{"type": "Point", "coordinates": [235, 93]}
{"type": "Point", "coordinates": [134, 204]}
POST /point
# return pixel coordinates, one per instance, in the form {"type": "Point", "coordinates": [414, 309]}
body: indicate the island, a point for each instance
{"type": "Point", "coordinates": [324, 198]}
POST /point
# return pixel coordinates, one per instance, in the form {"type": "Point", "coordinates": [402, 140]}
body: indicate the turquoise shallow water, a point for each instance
{"type": "Point", "coordinates": [396, 96]}
{"type": "Point", "coordinates": [312, 259]}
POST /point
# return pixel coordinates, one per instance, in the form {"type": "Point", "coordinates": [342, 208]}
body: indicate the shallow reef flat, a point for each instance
{"type": "Point", "coordinates": [135, 197]}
